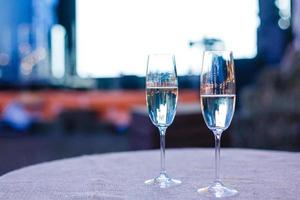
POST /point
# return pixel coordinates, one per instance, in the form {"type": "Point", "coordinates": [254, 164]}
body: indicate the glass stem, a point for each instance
{"type": "Point", "coordinates": [162, 131]}
{"type": "Point", "coordinates": [218, 134]}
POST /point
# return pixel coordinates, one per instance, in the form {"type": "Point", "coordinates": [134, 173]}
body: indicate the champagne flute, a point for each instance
{"type": "Point", "coordinates": [217, 94]}
{"type": "Point", "coordinates": [161, 96]}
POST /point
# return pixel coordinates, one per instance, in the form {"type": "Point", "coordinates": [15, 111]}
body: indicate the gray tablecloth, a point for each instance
{"type": "Point", "coordinates": [256, 174]}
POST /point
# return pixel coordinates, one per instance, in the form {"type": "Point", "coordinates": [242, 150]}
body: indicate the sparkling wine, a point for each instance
{"type": "Point", "coordinates": [217, 110]}
{"type": "Point", "coordinates": [161, 103]}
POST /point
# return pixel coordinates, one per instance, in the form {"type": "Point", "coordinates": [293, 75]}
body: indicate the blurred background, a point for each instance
{"type": "Point", "coordinates": [72, 74]}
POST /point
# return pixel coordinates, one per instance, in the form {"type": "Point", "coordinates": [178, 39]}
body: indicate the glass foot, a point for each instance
{"type": "Point", "coordinates": [163, 181]}
{"type": "Point", "coordinates": [217, 190]}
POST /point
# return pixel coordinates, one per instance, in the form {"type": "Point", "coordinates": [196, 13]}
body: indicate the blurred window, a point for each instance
{"type": "Point", "coordinates": [114, 37]}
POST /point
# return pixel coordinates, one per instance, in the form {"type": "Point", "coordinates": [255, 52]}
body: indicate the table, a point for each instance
{"type": "Point", "coordinates": [256, 174]}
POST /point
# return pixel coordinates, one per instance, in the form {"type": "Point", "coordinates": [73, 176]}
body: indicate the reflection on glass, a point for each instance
{"type": "Point", "coordinates": [217, 92]}
{"type": "Point", "coordinates": [161, 95]}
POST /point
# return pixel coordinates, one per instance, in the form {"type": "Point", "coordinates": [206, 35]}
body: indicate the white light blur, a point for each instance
{"type": "Point", "coordinates": [114, 37]}
{"type": "Point", "coordinates": [284, 7]}
{"type": "Point", "coordinates": [58, 34]}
